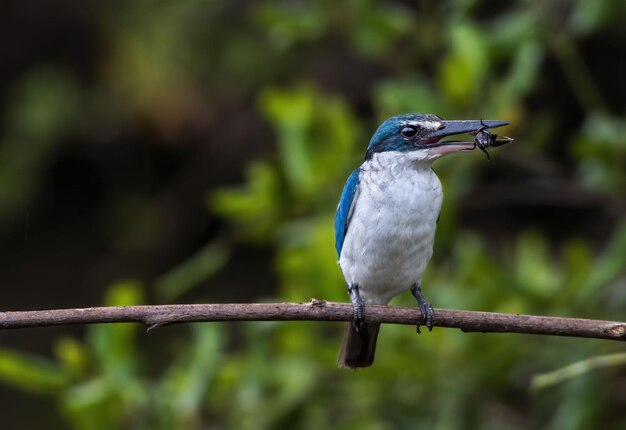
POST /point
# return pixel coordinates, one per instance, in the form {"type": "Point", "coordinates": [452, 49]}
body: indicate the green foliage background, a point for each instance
{"type": "Point", "coordinates": [319, 76]}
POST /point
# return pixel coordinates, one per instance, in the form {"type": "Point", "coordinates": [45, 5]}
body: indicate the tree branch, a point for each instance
{"type": "Point", "coordinates": [315, 310]}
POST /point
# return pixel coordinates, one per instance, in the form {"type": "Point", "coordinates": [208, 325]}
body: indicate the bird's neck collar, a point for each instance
{"type": "Point", "coordinates": [408, 159]}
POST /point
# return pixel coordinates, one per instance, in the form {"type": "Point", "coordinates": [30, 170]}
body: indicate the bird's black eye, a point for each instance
{"type": "Point", "coordinates": [409, 131]}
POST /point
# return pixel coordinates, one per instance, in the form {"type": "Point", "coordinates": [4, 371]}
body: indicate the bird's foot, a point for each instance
{"type": "Point", "coordinates": [428, 316]}
{"type": "Point", "coordinates": [358, 315]}
{"type": "Point", "coordinates": [428, 313]}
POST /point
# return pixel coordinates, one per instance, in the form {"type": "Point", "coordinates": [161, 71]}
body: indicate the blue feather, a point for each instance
{"type": "Point", "coordinates": [343, 210]}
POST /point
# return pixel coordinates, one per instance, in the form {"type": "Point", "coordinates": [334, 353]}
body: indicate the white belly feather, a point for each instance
{"type": "Point", "coordinates": [392, 226]}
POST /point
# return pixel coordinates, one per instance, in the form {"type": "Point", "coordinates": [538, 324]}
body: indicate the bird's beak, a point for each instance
{"type": "Point", "coordinates": [438, 147]}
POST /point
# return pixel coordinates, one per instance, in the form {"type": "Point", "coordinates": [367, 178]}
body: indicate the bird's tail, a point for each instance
{"type": "Point", "coordinates": [358, 348]}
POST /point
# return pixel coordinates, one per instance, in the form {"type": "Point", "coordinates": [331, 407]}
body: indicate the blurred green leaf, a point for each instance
{"type": "Point", "coordinates": [407, 95]}
{"type": "Point", "coordinates": [535, 272]}
{"type": "Point", "coordinates": [72, 355]}
{"type": "Point", "coordinates": [182, 278]}
{"type": "Point", "coordinates": [114, 345]}
{"type": "Point", "coordinates": [514, 27]}
{"type": "Point", "coordinates": [463, 71]}
{"type": "Point", "coordinates": [42, 110]}
{"type": "Point", "coordinates": [524, 69]}
{"type": "Point", "coordinates": [317, 136]}
{"type": "Point", "coordinates": [292, 112]}
{"type": "Point", "coordinates": [45, 108]}
{"type": "Point", "coordinates": [184, 386]}
{"type": "Point", "coordinates": [257, 206]}
{"type": "Point", "coordinates": [31, 373]}
{"type": "Point", "coordinates": [608, 267]}
{"type": "Point", "coordinates": [376, 27]}
{"type": "Point", "coordinates": [594, 16]}
{"type": "Point", "coordinates": [291, 24]}
{"type": "Point", "coordinates": [601, 149]}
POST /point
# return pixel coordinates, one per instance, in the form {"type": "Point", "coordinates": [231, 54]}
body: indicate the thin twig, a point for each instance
{"type": "Point", "coordinates": [545, 380]}
{"type": "Point", "coordinates": [315, 310]}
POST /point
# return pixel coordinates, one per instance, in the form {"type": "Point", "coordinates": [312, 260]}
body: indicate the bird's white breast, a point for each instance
{"type": "Point", "coordinates": [392, 226]}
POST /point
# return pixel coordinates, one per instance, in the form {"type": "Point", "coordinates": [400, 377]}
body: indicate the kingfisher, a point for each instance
{"type": "Point", "coordinates": [386, 220]}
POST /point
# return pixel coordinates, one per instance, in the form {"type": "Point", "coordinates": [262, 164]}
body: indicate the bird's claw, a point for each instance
{"type": "Point", "coordinates": [358, 315]}
{"type": "Point", "coordinates": [428, 313]}
{"type": "Point", "coordinates": [428, 316]}
{"type": "Point", "coordinates": [358, 323]}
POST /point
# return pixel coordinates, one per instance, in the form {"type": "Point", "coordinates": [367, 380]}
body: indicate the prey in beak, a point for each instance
{"type": "Point", "coordinates": [483, 138]}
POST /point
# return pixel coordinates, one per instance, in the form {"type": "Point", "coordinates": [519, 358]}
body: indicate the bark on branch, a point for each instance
{"type": "Point", "coordinates": [315, 310]}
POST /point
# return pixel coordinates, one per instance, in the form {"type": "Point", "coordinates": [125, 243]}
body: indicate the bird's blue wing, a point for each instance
{"type": "Point", "coordinates": [342, 218]}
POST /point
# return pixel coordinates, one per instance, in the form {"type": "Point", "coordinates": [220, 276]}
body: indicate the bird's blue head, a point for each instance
{"type": "Point", "coordinates": [422, 134]}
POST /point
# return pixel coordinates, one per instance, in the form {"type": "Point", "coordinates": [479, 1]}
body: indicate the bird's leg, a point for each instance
{"type": "Point", "coordinates": [358, 307]}
{"type": "Point", "coordinates": [428, 314]}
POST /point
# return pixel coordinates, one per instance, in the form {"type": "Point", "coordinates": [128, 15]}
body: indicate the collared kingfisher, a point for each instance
{"type": "Point", "coordinates": [386, 220]}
